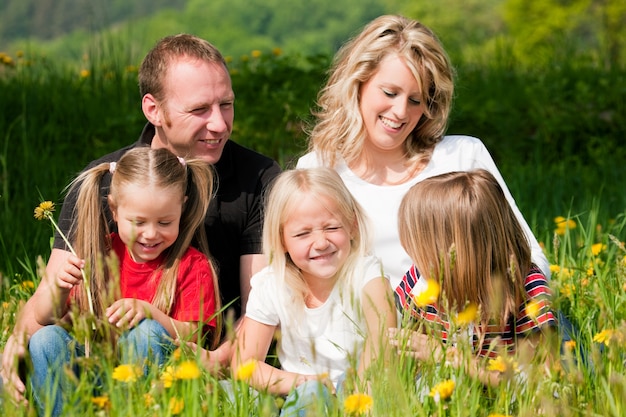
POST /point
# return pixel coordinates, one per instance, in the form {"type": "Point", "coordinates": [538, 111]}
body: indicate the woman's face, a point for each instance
{"type": "Point", "coordinates": [391, 105]}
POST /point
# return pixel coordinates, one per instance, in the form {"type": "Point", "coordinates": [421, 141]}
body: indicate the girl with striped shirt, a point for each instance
{"type": "Point", "coordinates": [472, 278]}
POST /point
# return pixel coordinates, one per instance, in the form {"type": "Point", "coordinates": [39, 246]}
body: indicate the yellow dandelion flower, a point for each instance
{"type": "Point", "coordinates": [569, 345]}
{"type": "Point", "coordinates": [44, 210]}
{"type": "Point", "coordinates": [605, 336]}
{"type": "Point", "coordinates": [167, 377]}
{"type": "Point", "coordinates": [100, 402]}
{"type": "Point", "coordinates": [256, 53]}
{"type": "Point", "coordinates": [277, 51]}
{"type": "Point", "coordinates": [533, 308]}
{"type": "Point", "coordinates": [228, 59]}
{"type": "Point", "coordinates": [568, 289]}
{"type": "Point", "coordinates": [468, 315]}
{"type": "Point", "coordinates": [176, 354]}
{"type": "Point", "coordinates": [597, 248]}
{"type": "Point", "coordinates": [176, 405]}
{"type": "Point", "coordinates": [245, 370]}
{"type": "Point", "coordinates": [84, 73]}
{"type": "Point", "coordinates": [19, 54]}
{"type": "Point", "coordinates": [27, 285]}
{"type": "Point", "coordinates": [233, 71]}
{"type": "Point", "coordinates": [358, 404]}
{"type": "Point", "coordinates": [563, 224]}
{"type": "Point", "coordinates": [7, 60]}
{"type": "Point", "coordinates": [187, 370]}
{"type": "Point", "coordinates": [442, 390]}
{"type": "Point", "coordinates": [131, 69]}
{"type": "Point", "coordinates": [126, 373]}
{"type": "Point", "coordinates": [245, 58]}
{"type": "Point", "coordinates": [561, 272]}
{"type": "Point", "coordinates": [498, 364]}
{"type": "Point", "coordinates": [148, 400]}
{"type": "Point", "coordinates": [428, 295]}
{"type": "Point", "coordinates": [5, 305]}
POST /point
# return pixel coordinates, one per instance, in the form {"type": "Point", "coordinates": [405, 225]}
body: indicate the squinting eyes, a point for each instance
{"type": "Point", "coordinates": [326, 230]}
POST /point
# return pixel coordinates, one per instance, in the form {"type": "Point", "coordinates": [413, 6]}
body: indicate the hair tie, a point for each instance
{"type": "Point", "coordinates": [112, 166]}
{"type": "Point", "coordinates": [181, 160]}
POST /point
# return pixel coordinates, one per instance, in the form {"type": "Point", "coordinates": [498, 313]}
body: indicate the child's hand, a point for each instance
{"type": "Point", "coordinates": [323, 379]}
{"type": "Point", "coordinates": [208, 358]}
{"type": "Point", "coordinates": [418, 345]}
{"type": "Point", "coordinates": [71, 274]}
{"type": "Point", "coordinates": [127, 312]}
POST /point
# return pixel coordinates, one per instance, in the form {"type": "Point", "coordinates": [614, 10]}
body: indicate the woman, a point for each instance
{"type": "Point", "coordinates": [381, 122]}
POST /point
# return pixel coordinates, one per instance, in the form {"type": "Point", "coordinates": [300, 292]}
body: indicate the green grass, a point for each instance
{"type": "Point", "coordinates": [589, 285]}
{"type": "Point", "coordinates": [554, 133]}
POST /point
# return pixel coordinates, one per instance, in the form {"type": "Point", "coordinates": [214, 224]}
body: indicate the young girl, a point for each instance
{"type": "Point", "coordinates": [329, 299]}
{"type": "Point", "coordinates": [462, 234]}
{"type": "Point", "coordinates": [166, 288]}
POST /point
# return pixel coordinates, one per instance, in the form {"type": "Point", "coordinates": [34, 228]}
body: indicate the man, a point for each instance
{"type": "Point", "coordinates": [188, 100]}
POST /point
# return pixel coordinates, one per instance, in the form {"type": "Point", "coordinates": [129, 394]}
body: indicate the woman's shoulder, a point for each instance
{"type": "Point", "coordinates": [457, 153]}
{"type": "Point", "coordinates": [309, 160]}
{"type": "Point", "coordinates": [456, 141]}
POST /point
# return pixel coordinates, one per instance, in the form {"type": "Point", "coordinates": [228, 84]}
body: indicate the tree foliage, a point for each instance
{"type": "Point", "coordinates": [549, 30]}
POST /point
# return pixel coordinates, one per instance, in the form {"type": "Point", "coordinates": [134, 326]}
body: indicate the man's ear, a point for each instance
{"type": "Point", "coordinates": [112, 207]}
{"type": "Point", "coordinates": [151, 109]}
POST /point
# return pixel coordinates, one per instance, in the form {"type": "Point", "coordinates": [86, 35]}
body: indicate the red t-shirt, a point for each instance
{"type": "Point", "coordinates": [195, 295]}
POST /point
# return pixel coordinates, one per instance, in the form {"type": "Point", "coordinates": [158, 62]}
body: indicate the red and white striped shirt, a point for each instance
{"type": "Point", "coordinates": [520, 326]}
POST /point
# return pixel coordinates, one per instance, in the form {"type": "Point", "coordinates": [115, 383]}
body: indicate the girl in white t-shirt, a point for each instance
{"type": "Point", "coordinates": [321, 289]}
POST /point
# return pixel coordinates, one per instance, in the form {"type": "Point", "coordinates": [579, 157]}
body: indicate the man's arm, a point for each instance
{"type": "Point", "coordinates": [25, 326]}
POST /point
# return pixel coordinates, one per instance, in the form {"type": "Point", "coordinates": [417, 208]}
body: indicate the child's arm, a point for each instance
{"type": "Point", "coordinates": [253, 343]}
{"type": "Point", "coordinates": [58, 286]}
{"type": "Point", "coordinates": [380, 315]}
{"type": "Point", "coordinates": [128, 312]}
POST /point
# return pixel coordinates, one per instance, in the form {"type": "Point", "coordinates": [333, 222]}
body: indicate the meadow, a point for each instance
{"type": "Point", "coordinates": [554, 132]}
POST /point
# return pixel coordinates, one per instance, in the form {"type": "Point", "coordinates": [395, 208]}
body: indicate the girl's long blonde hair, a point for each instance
{"type": "Point", "coordinates": [91, 233]}
{"type": "Point", "coordinates": [285, 194]}
{"type": "Point", "coordinates": [339, 127]}
{"type": "Point", "coordinates": [459, 228]}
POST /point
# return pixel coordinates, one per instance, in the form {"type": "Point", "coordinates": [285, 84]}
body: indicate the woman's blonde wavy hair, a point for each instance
{"type": "Point", "coordinates": [339, 128]}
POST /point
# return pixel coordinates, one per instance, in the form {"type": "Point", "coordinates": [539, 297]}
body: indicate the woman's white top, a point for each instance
{"type": "Point", "coordinates": [381, 202]}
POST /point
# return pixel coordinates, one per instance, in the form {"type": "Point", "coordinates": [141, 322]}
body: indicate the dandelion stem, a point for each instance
{"type": "Point", "coordinates": [82, 271]}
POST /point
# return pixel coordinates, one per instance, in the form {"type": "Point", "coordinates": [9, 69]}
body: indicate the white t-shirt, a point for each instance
{"type": "Point", "coordinates": [322, 339]}
{"type": "Point", "coordinates": [381, 203]}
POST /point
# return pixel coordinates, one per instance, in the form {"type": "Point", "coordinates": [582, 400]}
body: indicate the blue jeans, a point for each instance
{"type": "Point", "coordinates": [146, 344]}
{"type": "Point", "coordinates": [310, 395]}
{"type": "Point", "coordinates": [569, 332]}
{"type": "Point", "coordinates": [52, 350]}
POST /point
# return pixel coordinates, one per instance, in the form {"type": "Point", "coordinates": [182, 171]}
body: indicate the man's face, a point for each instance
{"type": "Point", "coordinates": [196, 117]}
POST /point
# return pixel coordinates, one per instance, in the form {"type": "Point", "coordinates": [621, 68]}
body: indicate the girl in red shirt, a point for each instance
{"type": "Point", "coordinates": [157, 289]}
